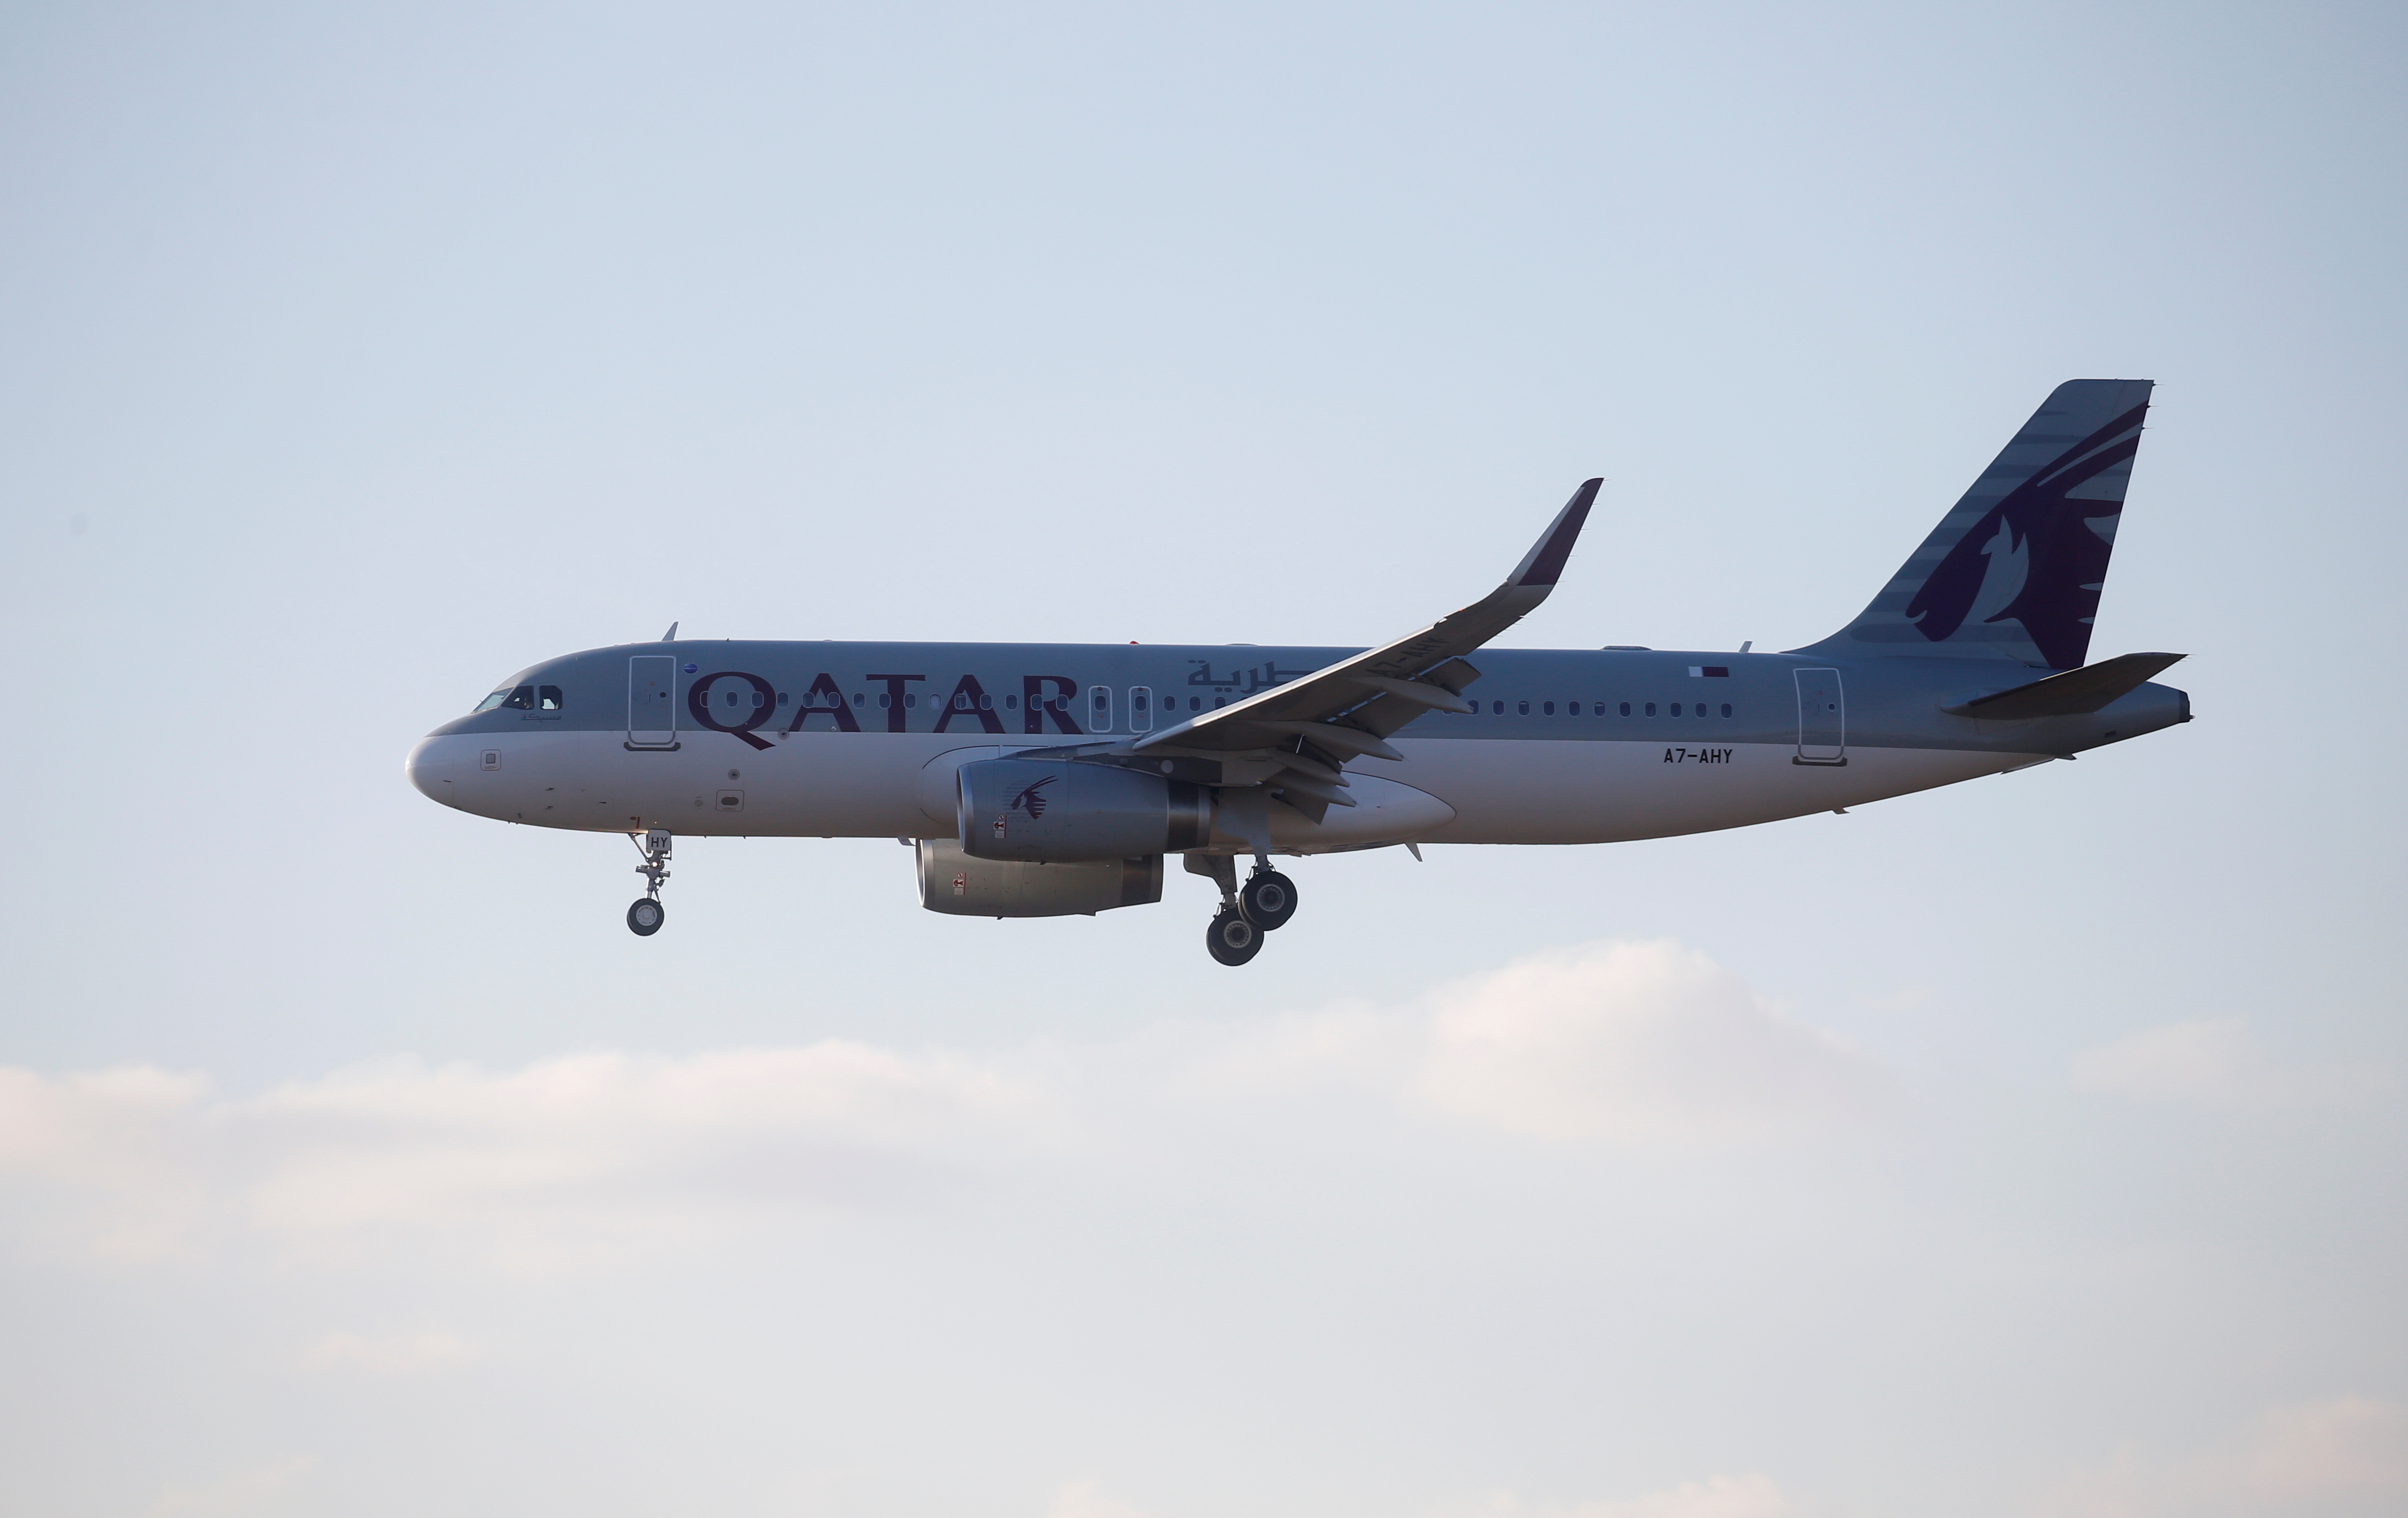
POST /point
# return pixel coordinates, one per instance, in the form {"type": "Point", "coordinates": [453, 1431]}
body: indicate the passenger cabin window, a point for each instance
{"type": "Point", "coordinates": [547, 698]}
{"type": "Point", "coordinates": [1626, 708]}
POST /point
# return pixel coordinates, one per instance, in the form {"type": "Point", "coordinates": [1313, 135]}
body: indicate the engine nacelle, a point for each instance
{"type": "Point", "coordinates": [952, 882]}
{"type": "Point", "coordinates": [1060, 813]}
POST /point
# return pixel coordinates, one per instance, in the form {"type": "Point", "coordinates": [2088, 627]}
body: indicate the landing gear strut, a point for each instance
{"type": "Point", "coordinates": [645, 917]}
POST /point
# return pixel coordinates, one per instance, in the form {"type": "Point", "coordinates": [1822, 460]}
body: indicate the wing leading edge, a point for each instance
{"type": "Point", "coordinates": [1311, 728]}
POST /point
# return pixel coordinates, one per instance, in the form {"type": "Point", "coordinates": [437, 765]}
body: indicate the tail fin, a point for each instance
{"type": "Point", "coordinates": [2015, 567]}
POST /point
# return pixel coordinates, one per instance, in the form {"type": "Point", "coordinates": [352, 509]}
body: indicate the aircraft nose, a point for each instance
{"type": "Point", "coordinates": [430, 768]}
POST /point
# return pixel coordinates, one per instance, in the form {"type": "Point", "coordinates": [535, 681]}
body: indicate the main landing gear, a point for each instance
{"type": "Point", "coordinates": [1266, 902]}
{"type": "Point", "coordinates": [645, 917]}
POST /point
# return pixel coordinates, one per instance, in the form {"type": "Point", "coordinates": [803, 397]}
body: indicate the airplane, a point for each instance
{"type": "Point", "coordinates": [1047, 779]}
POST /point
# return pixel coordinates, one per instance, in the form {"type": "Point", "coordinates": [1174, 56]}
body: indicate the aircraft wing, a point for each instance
{"type": "Point", "coordinates": [1311, 728]}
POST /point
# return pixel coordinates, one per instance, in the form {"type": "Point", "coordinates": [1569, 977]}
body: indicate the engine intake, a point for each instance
{"type": "Point", "coordinates": [1061, 813]}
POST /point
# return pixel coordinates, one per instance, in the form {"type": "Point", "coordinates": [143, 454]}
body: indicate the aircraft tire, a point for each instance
{"type": "Point", "coordinates": [1232, 939]}
{"type": "Point", "coordinates": [645, 917]}
{"type": "Point", "coordinates": [1268, 899]}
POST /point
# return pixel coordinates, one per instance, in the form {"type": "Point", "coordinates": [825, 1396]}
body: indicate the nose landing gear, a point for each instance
{"type": "Point", "coordinates": [645, 917]}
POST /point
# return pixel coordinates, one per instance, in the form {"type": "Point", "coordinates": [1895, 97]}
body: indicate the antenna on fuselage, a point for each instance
{"type": "Point", "coordinates": [669, 637]}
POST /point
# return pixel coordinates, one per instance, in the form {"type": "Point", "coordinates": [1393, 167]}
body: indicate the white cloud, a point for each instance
{"type": "Point", "coordinates": [1718, 1497]}
{"type": "Point", "coordinates": [2349, 1444]}
{"type": "Point", "coordinates": [610, 1133]}
{"type": "Point", "coordinates": [1633, 1040]}
{"type": "Point", "coordinates": [2214, 1062]}
{"type": "Point", "coordinates": [259, 1490]}
{"type": "Point", "coordinates": [143, 1156]}
{"type": "Point", "coordinates": [111, 1144]}
{"type": "Point", "coordinates": [389, 1355]}
{"type": "Point", "coordinates": [2341, 1456]}
{"type": "Point", "coordinates": [1624, 1042]}
{"type": "Point", "coordinates": [1619, 1042]}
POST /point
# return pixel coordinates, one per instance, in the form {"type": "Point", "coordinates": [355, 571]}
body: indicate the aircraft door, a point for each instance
{"type": "Point", "coordinates": [652, 701]}
{"type": "Point", "coordinates": [1140, 709]}
{"type": "Point", "coordinates": [1100, 708]}
{"type": "Point", "coordinates": [1822, 718]}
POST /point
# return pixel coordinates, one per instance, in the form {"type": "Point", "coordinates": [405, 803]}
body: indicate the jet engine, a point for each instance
{"type": "Point", "coordinates": [952, 882]}
{"type": "Point", "coordinates": [1035, 812]}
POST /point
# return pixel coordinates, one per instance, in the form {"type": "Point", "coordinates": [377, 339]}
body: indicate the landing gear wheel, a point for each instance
{"type": "Point", "coordinates": [1231, 938]}
{"type": "Point", "coordinates": [645, 917]}
{"type": "Point", "coordinates": [1268, 899]}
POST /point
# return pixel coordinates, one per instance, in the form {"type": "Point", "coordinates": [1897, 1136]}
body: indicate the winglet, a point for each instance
{"type": "Point", "coordinates": [1544, 564]}
{"type": "Point", "coordinates": [669, 637]}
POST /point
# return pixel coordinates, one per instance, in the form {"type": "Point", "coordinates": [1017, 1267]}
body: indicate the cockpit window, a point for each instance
{"type": "Point", "coordinates": [522, 699]}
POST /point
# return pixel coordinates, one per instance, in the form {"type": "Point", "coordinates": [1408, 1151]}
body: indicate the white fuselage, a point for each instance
{"type": "Point", "coordinates": [1499, 790]}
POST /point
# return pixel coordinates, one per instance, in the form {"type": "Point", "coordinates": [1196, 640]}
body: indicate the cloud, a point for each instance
{"type": "Point", "coordinates": [2342, 1456]}
{"type": "Point", "coordinates": [834, 1123]}
{"type": "Point", "coordinates": [1634, 1040]}
{"type": "Point", "coordinates": [256, 1491]}
{"type": "Point", "coordinates": [2349, 1444]}
{"type": "Point", "coordinates": [1629, 1042]}
{"type": "Point", "coordinates": [1718, 1497]}
{"type": "Point", "coordinates": [107, 1144]}
{"type": "Point", "coordinates": [2213, 1063]}
{"type": "Point", "coordinates": [1619, 1042]}
{"type": "Point", "coordinates": [145, 1159]}
{"type": "Point", "coordinates": [389, 1355]}
{"type": "Point", "coordinates": [1625, 1042]}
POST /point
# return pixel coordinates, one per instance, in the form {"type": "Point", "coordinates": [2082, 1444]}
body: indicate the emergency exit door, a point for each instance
{"type": "Point", "coordinates": [652, 701]}
{"type": "Point", "coordinates": [1822, 718]}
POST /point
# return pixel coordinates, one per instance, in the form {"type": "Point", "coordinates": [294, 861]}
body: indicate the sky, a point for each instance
{"type": "Point", "coordinates": [2032, 1148]}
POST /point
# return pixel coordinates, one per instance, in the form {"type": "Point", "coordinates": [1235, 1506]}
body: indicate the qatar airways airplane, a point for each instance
{"type": "Point", "coordinates": [1049, 778]}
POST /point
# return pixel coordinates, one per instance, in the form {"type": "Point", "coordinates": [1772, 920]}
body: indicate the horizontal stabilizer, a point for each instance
{"type": "Point", "coordinates": [2072, 694]}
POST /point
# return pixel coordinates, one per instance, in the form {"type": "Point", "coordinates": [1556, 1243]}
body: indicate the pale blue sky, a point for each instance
{"type": "Point", "coordinates": [354, 357]}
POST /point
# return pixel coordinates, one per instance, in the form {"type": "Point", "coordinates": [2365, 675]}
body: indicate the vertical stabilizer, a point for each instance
{"type": "Point", "coordinates": [2015, 567]}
